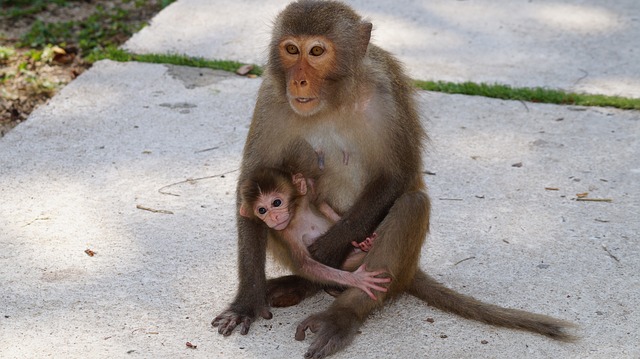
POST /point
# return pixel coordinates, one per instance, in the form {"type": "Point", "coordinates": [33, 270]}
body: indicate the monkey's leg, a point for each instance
{"type": "Point", "coordinates": [289, 290]}
{"type": "Point", "coordinates": [397, 250]}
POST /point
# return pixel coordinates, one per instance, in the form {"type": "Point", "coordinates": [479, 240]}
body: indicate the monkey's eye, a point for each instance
{"type": "Point", "coordinates": [292, 49]}
{"type": "Point", "coordinates": [277, 203]}
{"type": "Point", "coordinates": [316, 51]}
{"type": "Point", "coordinates": [262, 210]}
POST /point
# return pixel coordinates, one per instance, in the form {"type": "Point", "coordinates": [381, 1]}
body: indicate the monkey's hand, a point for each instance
{"type": "Point", "coordinates": [228, 320]}
{"type": "Point", "coordinates": [367, 281]}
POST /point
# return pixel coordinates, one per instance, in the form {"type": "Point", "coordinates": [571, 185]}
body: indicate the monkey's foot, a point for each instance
{"type": "Point", "coordinates": [333, 330]}
{"type": "Point", "coordinates": [289, 290]}
{"type": "Point", "coordinates": [367, 244]}
{"type": "Point", "coordinates": [228, 320]}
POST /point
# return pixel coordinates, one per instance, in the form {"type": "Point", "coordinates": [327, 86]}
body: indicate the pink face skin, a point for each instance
{"type": "Point", "coordinates": [273, 209]}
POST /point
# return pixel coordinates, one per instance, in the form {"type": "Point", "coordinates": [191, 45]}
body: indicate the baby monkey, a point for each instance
{"type": "Point", "coordinates": [284, 202]}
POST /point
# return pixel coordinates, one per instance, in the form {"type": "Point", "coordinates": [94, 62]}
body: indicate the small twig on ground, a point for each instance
{"type": "Point", "coordinates": [37, 219]}
{"type": "Point", "coordinates": [594, 200]}
{"type": "Point", "coordinates": [466, 259]}
{"type": "Point", "coordinates": [163, 211]}
{"type": "Point", "coordinates": [191, 180]}
{"type": "Point", "coordinates": [609, 253]}
{"type": "Point", "coordinates": [207, 149]}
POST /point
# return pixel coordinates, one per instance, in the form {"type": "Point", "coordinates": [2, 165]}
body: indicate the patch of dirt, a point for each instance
{"type": "Point", "coordinates": [28, 80]}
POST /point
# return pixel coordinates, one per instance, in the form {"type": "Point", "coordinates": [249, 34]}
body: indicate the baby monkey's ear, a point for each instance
{"type": "Point", "coordinates": [300, 183]}
{"type": "Point", "coordinates": [244, 212]}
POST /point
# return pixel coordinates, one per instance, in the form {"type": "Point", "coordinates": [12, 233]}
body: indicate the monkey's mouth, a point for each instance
{"type": "Point", "coordinates": [304, 99]}
{"type": "Point", "coordinates": [304, 106]}
{"type": "Point", "coordinates": [281, 226]}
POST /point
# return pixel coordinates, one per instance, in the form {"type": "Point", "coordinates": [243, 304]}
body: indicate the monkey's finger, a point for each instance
{"type": "Point", "coordinates": [216, 321]}
{"type": "Point", "coordinates": [378, 288]}
{"type": "Point", "coordinates": [381, 280]}
{"type": "Point", "coordinates": [312, 323]}
{"type": "Point", "coordinates": [370, 294]}
{"type": "Point", "coordinates": [300, 332]}
{"type": "Point", "coordinates": [245, 325]}
{"type": "Point", "coordinates": [227, 327]}
{"type": "Point", "coordinates": [265, 313]}
{"type": "Point", "coordinates": [378, 272]}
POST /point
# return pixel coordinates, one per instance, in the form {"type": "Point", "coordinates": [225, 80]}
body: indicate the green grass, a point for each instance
{"type": "Point", "coordinates": [536, 94]}
{"type": "Point", "coordinates": [173, 59]}
{"type": "Point", "coordinates": [102, 29]}
{"type": "Point", "coordinates": [20, 8]}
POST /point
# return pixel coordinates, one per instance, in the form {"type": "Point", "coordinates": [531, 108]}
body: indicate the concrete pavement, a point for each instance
{"type": "Point", "coordinates": [137, 163]}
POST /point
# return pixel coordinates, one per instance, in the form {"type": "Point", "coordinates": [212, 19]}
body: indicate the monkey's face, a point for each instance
{"type": "Point", "coordinates": [273, 209]}
{"type": "Point", "coordinates": [307, 62]}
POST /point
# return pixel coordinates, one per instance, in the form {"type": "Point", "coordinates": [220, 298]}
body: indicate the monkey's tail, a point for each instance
{"type": "Point", "coordinates": [435, 294]}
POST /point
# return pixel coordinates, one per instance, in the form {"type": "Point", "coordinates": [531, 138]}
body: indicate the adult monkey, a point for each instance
{"type": "Point", "coordinates": [352, 102]}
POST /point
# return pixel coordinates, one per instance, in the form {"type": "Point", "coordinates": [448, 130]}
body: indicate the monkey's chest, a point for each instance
{"type": "Point", "coordinates": [343, 167]}
{"type": "Point", "coordinates": [313, 227]}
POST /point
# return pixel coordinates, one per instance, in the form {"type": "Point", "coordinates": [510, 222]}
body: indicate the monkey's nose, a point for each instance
{"type": "Point", "coordinates": [301, 83]}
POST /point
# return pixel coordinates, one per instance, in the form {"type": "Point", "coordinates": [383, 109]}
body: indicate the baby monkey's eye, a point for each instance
{"type": "Point", "coordinates": [277, 203]}
{"type": "Point", "coordinates": [262, 210]}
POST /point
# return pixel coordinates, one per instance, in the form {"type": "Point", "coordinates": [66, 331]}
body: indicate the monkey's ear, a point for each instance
{"type": "Point", "coordinates": [365, 36]}
{"type": "Point", "coordinates": [244, 212]}
{"type": "Point", "coordinates": [300, 183]}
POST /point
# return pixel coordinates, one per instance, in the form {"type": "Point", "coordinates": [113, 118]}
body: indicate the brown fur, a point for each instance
{"type": "Point", "coordinates": [366, 111]}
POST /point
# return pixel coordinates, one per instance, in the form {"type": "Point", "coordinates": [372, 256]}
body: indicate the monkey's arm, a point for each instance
{"type": "Point", "coordinates": [359, 221]}
{"type": "Point", "coordinates": [250, 299]}
{"type": "Point", "coordinates": [328, 212]}
{"type": "Point", "coordinates": [318, 272]}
